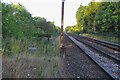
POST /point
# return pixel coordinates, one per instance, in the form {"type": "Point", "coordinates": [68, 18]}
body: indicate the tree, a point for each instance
{"type": "Point", "coordinates": [107, 17]}
{"type": "Point", "coordinates": [16, 20]}
{"type": "Point", "coordinates": [100, 17]}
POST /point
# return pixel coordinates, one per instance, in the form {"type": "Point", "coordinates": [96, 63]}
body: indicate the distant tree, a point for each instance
{"type": "Point", "coordinates": [100, 17]}
{"type": "Point", "coordinates": [71, 29]}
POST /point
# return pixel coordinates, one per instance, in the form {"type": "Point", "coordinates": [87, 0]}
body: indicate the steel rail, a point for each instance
{"type": "Point", "coordinates": [110, 45]}
{"type": "Point", "coordinates": [111, 56]}
{"type": "Point", "coordinates": [87, 51]}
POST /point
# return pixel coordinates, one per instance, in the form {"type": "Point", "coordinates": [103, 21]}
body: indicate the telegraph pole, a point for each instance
{"type": "Point", "coordinates": [62, 24]}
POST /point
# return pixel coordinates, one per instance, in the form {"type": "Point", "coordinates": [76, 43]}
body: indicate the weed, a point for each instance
{"type": "Point", "coordinates": [37, 64]}
{"type": "Point", "coordinates": [54, 69]}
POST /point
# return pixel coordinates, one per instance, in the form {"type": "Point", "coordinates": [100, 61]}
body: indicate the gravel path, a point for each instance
{"type": "Point", "coordinates": [77, 65]}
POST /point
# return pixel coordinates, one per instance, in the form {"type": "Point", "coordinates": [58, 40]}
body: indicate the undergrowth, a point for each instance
{"type": "Point", "coordinates": [21, 62]}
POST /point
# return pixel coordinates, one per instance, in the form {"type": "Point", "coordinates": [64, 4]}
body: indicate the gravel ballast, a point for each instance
{"type": "Point", "coordinates": [76, 64]}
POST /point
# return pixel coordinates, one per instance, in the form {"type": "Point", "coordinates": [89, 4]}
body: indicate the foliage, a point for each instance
{"type": "Point", "coordinates": [21, 32]}
{"type": "Point", "coordinates": [107, 17]}
{"type": "Point", "coordinates": [18, 23]}
{"type": "Point", "coordinates": [14, 18]}
{"type": "Point", "coordinates": [72, 29]}
{"type": "Point", "coordinates": [98, 17]}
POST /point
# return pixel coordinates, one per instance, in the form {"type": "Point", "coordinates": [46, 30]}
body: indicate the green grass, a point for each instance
{"type": "Point", "coordinates": [112, 37]}
{"type": "Point", "coordinates": [19, 62]}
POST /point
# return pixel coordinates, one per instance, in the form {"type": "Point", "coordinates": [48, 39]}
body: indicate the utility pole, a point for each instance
{"type": "Point", "coordinates": [62, 24]}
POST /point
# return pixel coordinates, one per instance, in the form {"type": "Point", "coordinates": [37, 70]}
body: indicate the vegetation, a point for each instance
{"type": "Point", "coordinates": [71, 29]}
{"type": "Point", "coordinates": [28, 55]}
{"type": "Point", "coordinates": [18, 24]}
{"type": "Point", "coordinates": [97, 17]}
{"type": "Point", "coordinates": [41, 63]}
{"type": "Point", "coordinates": [25, 53]}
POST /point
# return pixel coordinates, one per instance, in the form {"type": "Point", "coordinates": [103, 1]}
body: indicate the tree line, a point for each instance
{"type": "Point", "coordinates": [21, 30]}
{"type": "Point", "coordinates": [18, 22]}
{"type": "Point", "coordinates": [97, 17]}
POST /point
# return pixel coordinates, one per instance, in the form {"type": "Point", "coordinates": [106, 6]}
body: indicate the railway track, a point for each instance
{"type": "Point", "coordinates": [110, 45]}
{"type": "Point", "coordinates": [109, 51]}
{"type": "Point", "coordinates": [112, 52]}
{"type": "Point", "coordinates": [108, 62]}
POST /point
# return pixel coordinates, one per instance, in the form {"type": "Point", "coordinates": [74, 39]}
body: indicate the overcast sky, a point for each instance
{"type": "Point", "coordinates": [51, 9]}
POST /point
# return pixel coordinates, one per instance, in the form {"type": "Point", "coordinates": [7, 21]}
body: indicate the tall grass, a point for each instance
{"type": "Point", "coordinates": [20, 62]}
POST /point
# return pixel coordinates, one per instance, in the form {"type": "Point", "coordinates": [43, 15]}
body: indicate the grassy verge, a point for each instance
{"type": "Point", "coordinates": [112, 37]}
{"type": "Point", "coordinates": [43, 62]}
